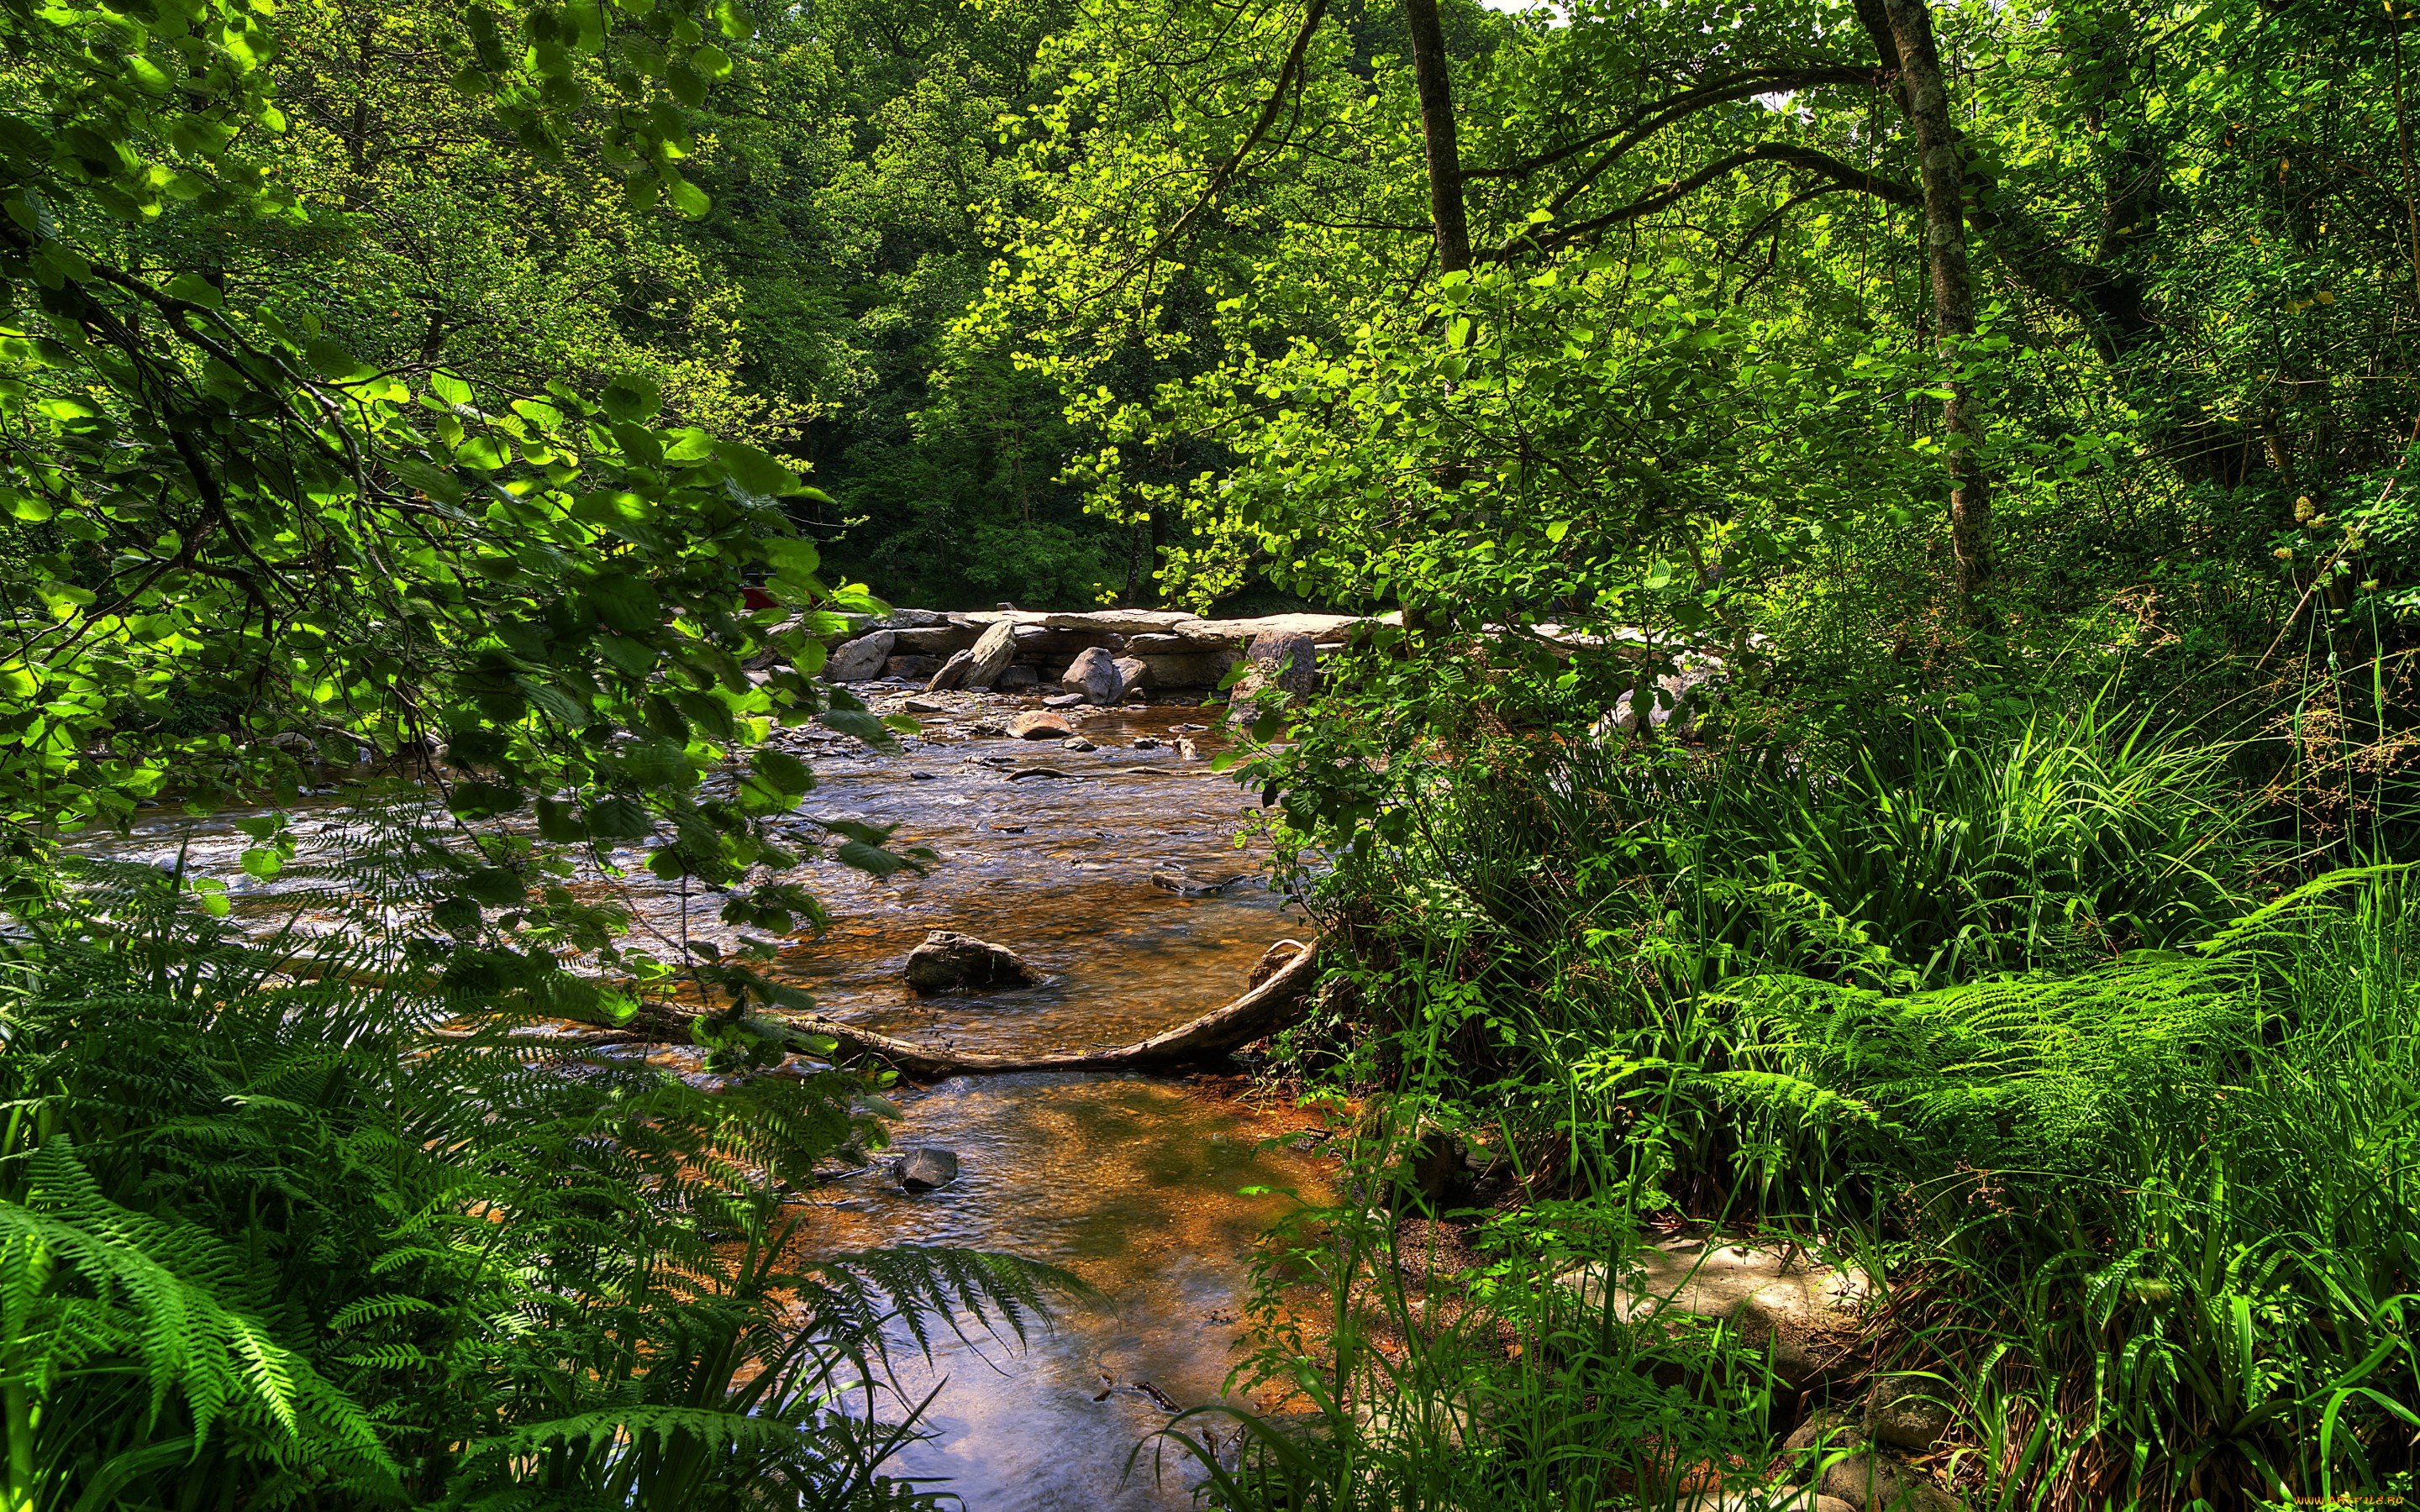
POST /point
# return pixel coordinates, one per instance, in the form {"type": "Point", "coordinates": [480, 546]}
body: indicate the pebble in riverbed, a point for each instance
{"type": "Point", "coordinates": [1041, 724]}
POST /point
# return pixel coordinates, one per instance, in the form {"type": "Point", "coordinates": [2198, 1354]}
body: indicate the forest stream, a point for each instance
{"type": "Point", "coordinates": [1133, 1183]}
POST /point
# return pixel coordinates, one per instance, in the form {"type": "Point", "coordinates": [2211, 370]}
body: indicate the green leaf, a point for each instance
{"type": "Point", "coordinates": [632, 398]}
{"type": "Point", "coordinates": [859, 723]}
{"type": "Point", "coordinates": [262, 861]}
{"type": "Point", "coordinates": [792, 557]}
{"type": "Point", "coordinates": [687, 197]}
{"type": "Point", "coordinates": [625, 604]}
{"type": "Point", "coordinates": [785, 772]}
{"type": "Point", "coordinates": [497, 886]}
{"type": "Point", "coordinates": [560, 822]}
{"type": "Point", "coordinates": [756, 470]}
{"type": "Point", "coordinates": [194, 289]}
{"type": "Point", "coordinates": [483, 800]}
{"type": "Point", "coordinates": [618, 817]}
{"type": "Point", "coordinates": [330, 360]}
{"type": "Point", "coordinates": [864, 857]}
{"type": "Point", "coordinates": [456, 915]}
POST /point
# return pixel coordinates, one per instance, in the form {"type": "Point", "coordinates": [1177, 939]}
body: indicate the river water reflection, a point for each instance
{"type": "Point", "coordinates": [1133, 1184]}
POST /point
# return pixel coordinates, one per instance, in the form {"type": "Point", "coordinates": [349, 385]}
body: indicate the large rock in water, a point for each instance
{"type": "Point", "coordinates": [992, 654]}
{"type": "Point", "coordinates": [859, 660]}
{"type": "Point", "coordinates": [948, 960]}
{"type": "Point", "coordinates": [1094, 673]}
{"type": "Point", "coordinates": [1133, 676]}
{"type": "Point", "coordinates": [1285, 660]}
{"type": "Point", "coordinates": [922, 1170]}
{"type": "Point", "coordinates": [1290, 659]}
{"type": "Point", "coordinates": [1328, 629]}
{"type": "Point", "coordinates": [1192, 670]}
{"type": "Point", "coordinates": [952, 674]}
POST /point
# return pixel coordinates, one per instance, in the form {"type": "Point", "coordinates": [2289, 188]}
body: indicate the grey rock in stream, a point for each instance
{"type": "Point", "coordinates": [1283, 662]}
{"type": "Point", "coordinates": [1187, 886]}
{"type": "Point", "coordinates": [859, 660]}
{"type": "Point", "coordinates": [1094, 674]}
{"type": "Point", "coordinates": [922, 1170]}
{"type": "Point", "coordinates": [952, 674]}
{"type": "Point", "coordinates": [948, 960]}
{"type": "Point", "coordinates": [1062, 700]}
{"type": "Point", "coordinates": [991, 656]}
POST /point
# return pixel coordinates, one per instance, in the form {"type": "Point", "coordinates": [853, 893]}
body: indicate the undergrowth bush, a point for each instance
{"type": "Point", "coordinates": [266, 1242]}
{"type": "Point", "coordinates": [1988, 1008]}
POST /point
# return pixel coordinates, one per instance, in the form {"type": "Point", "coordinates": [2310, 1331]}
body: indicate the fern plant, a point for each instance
{"type": "Point", "coordinates": [264, 1241]}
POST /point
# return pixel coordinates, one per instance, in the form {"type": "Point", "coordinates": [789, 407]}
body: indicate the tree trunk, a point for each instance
{"type": "Point", "coordinates": [1439, 137]}
{"type": "Point", "coordinates": [1927, 98]}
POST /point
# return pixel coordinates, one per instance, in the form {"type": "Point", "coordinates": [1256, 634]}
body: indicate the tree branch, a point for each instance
{"type": "Point", "coordinates": [1663, 113]}
{"type": "Point", "coordinates": [1823, 166]}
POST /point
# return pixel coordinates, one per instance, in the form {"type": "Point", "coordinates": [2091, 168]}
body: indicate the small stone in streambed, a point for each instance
{"type": "Point", "coordinates": [1041, 724]}
{"type": "Point", "coordinates": [1146, 743]}
{"type": "Point", "coordinates": [1187, 886]}
{"type": "Point", "coordinates": [988, 729]}
{"type": "Point", "coordinates": [948, 960]}
{"type": "Point", "coordinates": [1037, 772]}
{"type": "Point", "coordinates": [1078, 743]}
{"type": "Point", "coordinates": [920, 777]}
{"type": "Point", "coordinates": [924, 706]}
{"type": "Point", "coordinates": [922, 1170]}
{"type": "Point", "coordinates": [1062, 700]}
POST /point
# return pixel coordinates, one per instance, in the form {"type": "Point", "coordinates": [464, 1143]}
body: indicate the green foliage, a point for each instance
{"type": "Point", "coordinates": [265, 1242]}
{"type": "Point", "coordinates": [1984, 1001]}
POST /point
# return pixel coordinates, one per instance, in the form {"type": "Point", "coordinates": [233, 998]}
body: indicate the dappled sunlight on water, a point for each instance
{"type": "Point", "coordinates": [1133, 1184]}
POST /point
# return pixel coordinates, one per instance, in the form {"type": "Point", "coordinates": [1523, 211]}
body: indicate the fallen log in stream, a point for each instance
{"type": "Point", "coordinates": [1275, 1005]}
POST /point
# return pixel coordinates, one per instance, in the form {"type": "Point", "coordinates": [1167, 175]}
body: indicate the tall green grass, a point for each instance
{"type": "Point", "coordinates": [1990, 1008]}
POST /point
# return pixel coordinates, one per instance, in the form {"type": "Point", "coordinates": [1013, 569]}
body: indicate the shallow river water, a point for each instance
{"type": "Point", "coordinates": [1134, 1184]}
